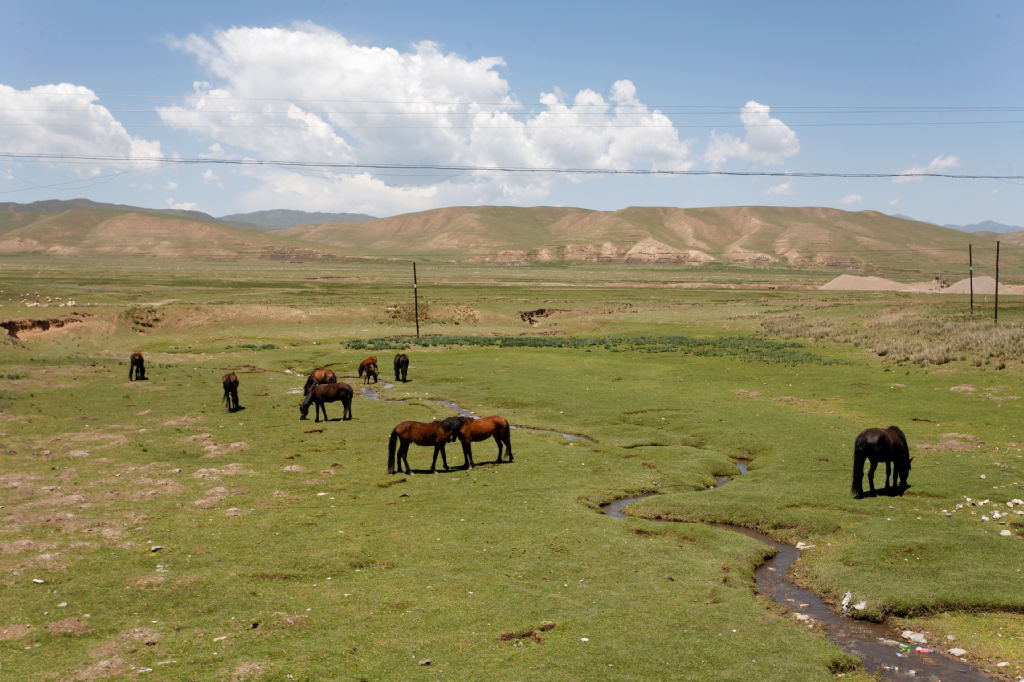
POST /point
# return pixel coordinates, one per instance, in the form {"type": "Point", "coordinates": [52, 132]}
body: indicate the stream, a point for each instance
{"type": "Point", "coordinates": [873, 643]}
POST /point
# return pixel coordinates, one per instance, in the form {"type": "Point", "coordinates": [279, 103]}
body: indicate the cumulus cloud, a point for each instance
{"type": "Point", "coordinates": [64, 119]}
{"type": "Point", "coordinates": [212, 178]}
{"type": "Point", "coordinates": [307, 93]}
{"type": "Point", "coordinates": [768, 140]}
{"type": "Point", "coordinates": [940, 164]}
{"type": "Point", "coordinates": [783, 189]}
{"type": "Point", "coordinates": [851, 199]}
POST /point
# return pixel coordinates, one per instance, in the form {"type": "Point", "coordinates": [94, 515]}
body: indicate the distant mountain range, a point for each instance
{"type": "Point", "coordinates": [260, 220]}
{"type": "Point", "coordinates": [987, 226]}
{"type": "Point", "coordinates": [795, 237]}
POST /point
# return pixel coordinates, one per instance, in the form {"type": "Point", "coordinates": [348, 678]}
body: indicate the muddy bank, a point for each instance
{"type": "Point", "coordinates": [15, 327]}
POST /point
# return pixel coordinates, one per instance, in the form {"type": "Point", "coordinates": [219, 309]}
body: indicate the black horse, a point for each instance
{"type": "Point", "coordinates": [881, 445]}
{"type": "Point", "coordinates": [136, 367]}
{"type": "Point", "coordinates": [401, 366]}
{"type": "Point", "coordinates": [230, 382]}
{"type": "Point", "coordinates": [327, 393]}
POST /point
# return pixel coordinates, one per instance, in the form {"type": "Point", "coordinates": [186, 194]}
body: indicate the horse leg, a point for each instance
{"type": "Point", "coordinates": [444, 457]}
{"type": "Point", "coordinates": [347, 414]}
{"type": "Point", "coordinates": [467, 452]}
{"type": "Point", "coordinates": [888, 470]}
{"type": "Point", "coordinates": [403, 456]}
{"type": "Point", "coordinates": [319, 407]}
{"type": "Point", "coordinates": [871, 476]}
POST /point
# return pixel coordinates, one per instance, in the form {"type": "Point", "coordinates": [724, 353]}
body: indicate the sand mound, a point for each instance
{"type": "Point", "coordinates": [856, 283]}
{"type": "Point", "coordinates": [982, 285]}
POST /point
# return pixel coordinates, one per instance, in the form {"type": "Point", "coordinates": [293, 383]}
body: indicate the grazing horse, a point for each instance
{"type": "Point", "coordinates": [401, 366]}
{"type": "Point", "coordinates": [136, 367]}
{"type": "Point", "coordinates": [481, 429]}
{"type": "Point", "coordinates": [230, 382]}
{"type": "Point", "coordinates": [368, 367]}
{"type": "Point", "coordinates": [327, 393]}
{"type": "Point", "coordinates": [319, 376]}
{"type": "Point", "coordinates": [435, 433]}
{"type": "Point", "coordinates": [881, 445]}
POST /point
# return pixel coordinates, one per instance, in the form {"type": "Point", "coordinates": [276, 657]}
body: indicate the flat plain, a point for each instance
{"type": "Point", "coordinates": [144, 529]}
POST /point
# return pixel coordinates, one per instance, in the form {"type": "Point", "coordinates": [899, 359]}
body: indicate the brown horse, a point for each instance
{"type": "Point", "coordinates": [881, 445]}
{"type": "Point", "coordinates": [401, 366]}
{"type": "Point", "coordinates": [319, 376]}
{"type": "Point", "coordinates": [230, 382]}
{"type": "Point", "coordinates": [327, 393]}
{"type": "Point", "coordinates": [368, 367]}
{"type": "Point", "coordinates": [435, 433]}
{"type": "Point", "coordinates": [481, 429]}
{"type": "Point", "coordinates": [136, 367]}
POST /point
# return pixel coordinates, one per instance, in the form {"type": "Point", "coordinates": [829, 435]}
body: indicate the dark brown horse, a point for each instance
{"type": "Point", "coordinates": [327, 393]}
{"type": "Point", "coordinates": [367, 369]}
{"type": "Point", "coordinates": [401, 366]}
{"type": "Point", "coordinates": [481, 429]}
{"type": "Point", "coordinates": [881, 445]}
{"type": "Point", "coordinates": [230, 382]}
{"type": "Point", "coordinates": [319, 376]}
{"type": "Point", "coordinates": [436, 433]}
{"type": "Point", "coordinates": [136, 367]}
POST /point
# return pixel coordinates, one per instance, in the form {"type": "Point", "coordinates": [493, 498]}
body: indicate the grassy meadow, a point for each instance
{"type": "Point", "coordinates": [146, 530]}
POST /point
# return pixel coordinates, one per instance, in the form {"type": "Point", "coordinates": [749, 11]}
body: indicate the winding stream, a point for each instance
{"type": "Point", "coordinates": [873, 643]}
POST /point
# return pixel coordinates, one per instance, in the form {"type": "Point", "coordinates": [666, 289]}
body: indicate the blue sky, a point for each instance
{"type": "Point", "coordinates": [353, 106]}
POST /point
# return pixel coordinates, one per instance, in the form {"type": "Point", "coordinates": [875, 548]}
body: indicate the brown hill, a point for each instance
{"type": "Point", "coordinates": [760, 235]}
{"type": "Point", "coordinates": [122, 232]}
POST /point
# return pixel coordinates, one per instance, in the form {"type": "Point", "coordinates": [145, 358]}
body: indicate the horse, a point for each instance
{"type": "Point", "coordinates": [230, 382]}
{"type": "Point", "coordinates": [136, 367]}
{"type": "Point", "coordinates": [401, 366]}
{"type": "Point", "coordinates": [327, 393]}
{"type": "Point", "coordinates": [319, 376]}
{"type": "Point", "coordinates": [435, 433]}
{"type": "Point", "coordinates": [482, 429]}
{"type": "Point", "coordinates": [881, 445]}
{"type": "Point", "coordinates": [369, 368]}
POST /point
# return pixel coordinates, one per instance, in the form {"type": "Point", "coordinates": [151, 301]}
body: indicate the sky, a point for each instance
{"type": "Point", "coordinates": [386, 107]}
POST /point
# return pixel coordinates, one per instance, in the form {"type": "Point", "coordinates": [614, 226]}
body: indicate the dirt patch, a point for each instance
{"type": "Point", "coordinates": [69, 626]}
{"type": "Point", "coordinates": [747, 394]}
{"type": "Point", "coordinates": [249, 671]}
{"type": "Point", "coordinates": [532, 634]}
{"type": "Point", "coordinates": [531, 316]}
{"type": "Point", "coordinates": [9, 632]}
{"type": "Point", "coordinates": [108, 667]}
{"type": "Point", "coordinates": [144, 319]}
{"type": "Point", "coordinates": [952, 442]}
{"type": "Point", "coordinates": [15, 327]}
{"type": "Point", "coordinates": [147, 636]}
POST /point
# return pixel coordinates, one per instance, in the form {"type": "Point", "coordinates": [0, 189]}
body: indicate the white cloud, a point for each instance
{"type": "Point", "coordinates": [783, 189]}
{"type": "Point", "coordinates": [212, 178]}
{"type": "Point", "coordinates": [850, 199]}
{"type": "Point", "coordinates": [306, 93]}
{"type": "Point", "coordinates": [895, 202]}
{"type": "Point", "coordinates": [64, 119]}
{"type": "Point", "coordinates": [940, 164]}
{"type": "Point", "coordinates": [769, 141]}
{"type": "Point", "coordinates": [182, 205]}
{"type": "Point", "coordinates": [170, 186]}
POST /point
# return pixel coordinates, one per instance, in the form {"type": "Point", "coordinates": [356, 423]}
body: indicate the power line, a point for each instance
{"type": "Point", "coordinates": [513, 170]}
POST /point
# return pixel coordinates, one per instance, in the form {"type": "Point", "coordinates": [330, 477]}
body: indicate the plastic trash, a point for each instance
{"type": "Point", "coordinates": [923, 650]}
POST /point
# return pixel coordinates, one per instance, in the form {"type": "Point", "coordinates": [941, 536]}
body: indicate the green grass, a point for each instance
{"type": "Point", "coordinates": [287, 550]}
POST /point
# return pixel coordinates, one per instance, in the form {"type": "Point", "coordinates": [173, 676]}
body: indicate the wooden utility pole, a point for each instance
{"type": "Point", "coordinates": [416, 299]}
{"type": "Point", "coordinates": [997, 284]}
{"type": "Point", "coordinates": [970, 260]}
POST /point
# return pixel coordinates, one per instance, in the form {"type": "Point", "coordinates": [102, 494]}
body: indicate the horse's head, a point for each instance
{"type": "Point", "coordinates": [452, 426]}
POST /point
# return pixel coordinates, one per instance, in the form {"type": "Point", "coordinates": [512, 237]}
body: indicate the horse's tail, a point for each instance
{"type": "Point", "coordinates": [392, 442]}
{"type": "Point", "coordinates": [859, 455]}
{"type": "Point", "coordinates": [506, 436]}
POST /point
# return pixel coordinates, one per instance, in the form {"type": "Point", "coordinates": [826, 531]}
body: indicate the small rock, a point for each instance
{"type": "Point", "coordinates": [861, 605]}
{"type": "Point", "coordinates": [914, 636]}
{"type": "Point", "coordinates": [424, 661]}
{"type": "Point", "coordinates": [156, 548]}
{"type": "Point", "coordinates": [37, 581]}
{"type": "Point", "coordinates": [1005, 532]}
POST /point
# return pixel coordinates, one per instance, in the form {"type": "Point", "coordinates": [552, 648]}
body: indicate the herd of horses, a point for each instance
{"type": "Point", "coordinates": [322, 386]}
{"type": "Point", "coordinates": [879, 446]}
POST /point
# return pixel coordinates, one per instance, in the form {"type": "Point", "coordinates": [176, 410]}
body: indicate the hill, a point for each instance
{"type": "Point", "coordinates": [112, 231]}
{"type": "Point", "coordinates": [988, 226]}
{"type": "Point", "coordinates": [758, 235]}
{"type": "Point", "coordinates": [283, 218]}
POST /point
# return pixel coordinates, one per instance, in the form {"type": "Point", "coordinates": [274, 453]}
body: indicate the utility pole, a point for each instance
{"type": "Point", "coordinates": [997, 284]}
{"type": "Point", "coordinates": [416, 299]}
{"type": "Point", "coordinates": [970, 260]}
